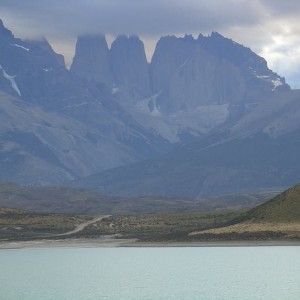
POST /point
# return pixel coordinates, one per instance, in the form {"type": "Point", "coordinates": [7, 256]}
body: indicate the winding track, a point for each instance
{"type": "Point", "coordinates": [81, 226]}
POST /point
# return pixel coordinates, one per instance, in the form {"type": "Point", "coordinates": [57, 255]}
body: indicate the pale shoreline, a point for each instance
{"type": "Point", "coordinates": [111, 242]}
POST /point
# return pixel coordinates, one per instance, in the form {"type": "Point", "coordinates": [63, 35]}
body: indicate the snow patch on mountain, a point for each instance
{"type": "Point", "coordinates": [202, 119]}
{"type": "Point", "coordinates": [12, 80]}
{"type": "Point", "coordinates": [262, 76]}
{"type": "Point", "coordinates": [115, 90]}
{"type": "Point", "coordinates": [194, 122]}
{"type": "Point", "coordinates": [75, 105]}
{"type": "Point", "coordinates": [149, 105]}
{"type": "Point", "coordinates": [19, 46]}
{"type": "Point", "coordinates": [276, 83]}
{"type": "Point", "coordinates": [182, 65]}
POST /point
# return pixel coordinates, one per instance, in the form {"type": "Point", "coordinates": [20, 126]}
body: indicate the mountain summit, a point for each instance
{"type": "Point", "coordinates": [190, 86]}
{"type": "Point", "coordinates": [4, 32]}
{"type": "Point", "coordinates": [92, 60]}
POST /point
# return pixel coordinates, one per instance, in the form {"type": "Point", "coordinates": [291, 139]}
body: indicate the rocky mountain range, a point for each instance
{"type": "Point", "coordinates": [206, 116]}
{"type": "Point", "coordinates": [189, 87]}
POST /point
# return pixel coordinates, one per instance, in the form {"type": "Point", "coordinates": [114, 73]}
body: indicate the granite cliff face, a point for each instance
{"type": "Point", "coordinates": [130, 67]}
{"type": "Point", "coordinates": [123, 68]}
{"type": "Point", "coordinates": [191, 85]}
{"type": "Point", "coordinates": [185, 72]}
{"type": "Point", "coordinates": [92, 59]}
{"type": "Point", "coordinates": [211, 70]}
{"type": "Point", "coordinates": [170, 54]}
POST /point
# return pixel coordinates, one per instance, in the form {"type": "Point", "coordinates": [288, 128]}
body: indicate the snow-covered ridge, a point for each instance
{"type": "Point", "coordinates": [19, 46]}
{"type": "Point", "coordinates": [12, 81]}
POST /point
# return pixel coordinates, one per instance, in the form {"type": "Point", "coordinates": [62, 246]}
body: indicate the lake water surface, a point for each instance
{"type": "Point", "coordinates": [150, 273]}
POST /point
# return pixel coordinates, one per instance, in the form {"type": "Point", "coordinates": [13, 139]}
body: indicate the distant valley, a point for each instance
{"type": "Point", "coordinates": [63, 200]}
{"type": "Point", "coordinates": [275, 220]}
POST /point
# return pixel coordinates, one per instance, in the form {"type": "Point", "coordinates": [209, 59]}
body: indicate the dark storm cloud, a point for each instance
{"type": "Point", "coordinates": [130, 16]}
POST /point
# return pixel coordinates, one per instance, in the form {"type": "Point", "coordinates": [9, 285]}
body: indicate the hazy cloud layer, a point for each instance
{"type": "Point", "coordinates": [270, 27]}
{"type": "Point", "coordinates": [131, 16]}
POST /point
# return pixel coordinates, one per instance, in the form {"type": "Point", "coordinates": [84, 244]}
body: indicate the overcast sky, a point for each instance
{"type": "Point", "coordinates": [269, 27]}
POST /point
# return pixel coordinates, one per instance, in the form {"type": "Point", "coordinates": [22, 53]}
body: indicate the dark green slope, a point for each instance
{"type": "Point", "coordinates": [276, 219]}
{"type": "Point", "coordinates": [283, 208]}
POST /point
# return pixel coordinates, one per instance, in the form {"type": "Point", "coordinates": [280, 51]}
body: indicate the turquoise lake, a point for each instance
{"type": "Point", "coordinates": [150, 273]}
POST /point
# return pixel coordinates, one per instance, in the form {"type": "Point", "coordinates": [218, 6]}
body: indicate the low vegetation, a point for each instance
{"type": "Point", "coordinates": [159, 227]}
{"type": "Point", "coordinates": [22, 225]}
{"type": "Point", "coordinates": [277, 218]}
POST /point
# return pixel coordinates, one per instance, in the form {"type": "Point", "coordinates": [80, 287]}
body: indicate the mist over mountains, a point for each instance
{"type": "Point", "coordinates": [206, 116]}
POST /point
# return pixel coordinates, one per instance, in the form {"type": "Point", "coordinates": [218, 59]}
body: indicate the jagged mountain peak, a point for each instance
{"type": "Point", "coordinates": [122, 67]}
{"type": "Point", "coordinates": [244, 58]}
{"type": "Point", "coordinates": [170, 39]}
{"type": "Point", "coordinates": [43, 44]}
{"type": "Point", "coordinates": [91, 60]}
{"type": "Point", "coordinates": [92, 40]}
{"type": "Point", "coordinates": [130, 67]}
{"type": "Point", "coordinates": [211, 69]}
{"type": "Point", "coordinates": [224, 47]}
{"type": "Point", "coordinates": [4, 32]}
{"type": "Point", "coordinates": [131, 42]}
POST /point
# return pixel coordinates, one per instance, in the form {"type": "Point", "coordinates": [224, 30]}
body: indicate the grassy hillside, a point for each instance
{"type": "Point", "coordinates": [284, 208]}
{"type": "Point", "coordinates": [278, 218]}
{"type": "Point", "coordinates": [24, 225]}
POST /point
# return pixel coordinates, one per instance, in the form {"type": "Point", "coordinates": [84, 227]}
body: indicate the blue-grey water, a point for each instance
{"type": "Point", "coordinates": [150, 273]}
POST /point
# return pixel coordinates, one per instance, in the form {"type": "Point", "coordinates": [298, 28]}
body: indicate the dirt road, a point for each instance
{"type": "Point", "coordinates": [81, 226]}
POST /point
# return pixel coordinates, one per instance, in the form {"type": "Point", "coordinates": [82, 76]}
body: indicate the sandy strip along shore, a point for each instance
{"type": "Point", "coordinates": [104, 241]}
{"type": "Point", "coordinates": [111, 241]}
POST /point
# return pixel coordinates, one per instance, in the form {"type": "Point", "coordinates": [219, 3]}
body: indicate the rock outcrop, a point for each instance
{"type": "Point", "coordinates": [130, 67]}
{"type": "Point", "coordinates": [92, 60]}
{"type": "Point", "coordinates": [211, 70]}
{"type": "Point", "coordinates": [123, 68]}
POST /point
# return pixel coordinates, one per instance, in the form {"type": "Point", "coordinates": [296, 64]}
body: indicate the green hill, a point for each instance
{"type": "Point", "coordinates": [278, 218]}
{"type": "Point", "coordinates": [283, 208]}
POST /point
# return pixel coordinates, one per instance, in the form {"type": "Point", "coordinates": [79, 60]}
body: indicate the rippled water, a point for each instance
{"type": "Point", "coordinates": [151, 273]}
